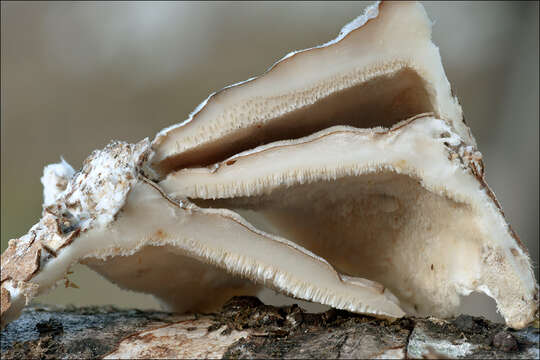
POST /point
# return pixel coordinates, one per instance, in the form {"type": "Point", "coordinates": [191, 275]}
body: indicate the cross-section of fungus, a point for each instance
{"type": "Point", "coordinates": [343, 175]}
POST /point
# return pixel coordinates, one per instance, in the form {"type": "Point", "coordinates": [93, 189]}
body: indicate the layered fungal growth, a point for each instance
{"type": "Point", "coordinates": [343, 175]}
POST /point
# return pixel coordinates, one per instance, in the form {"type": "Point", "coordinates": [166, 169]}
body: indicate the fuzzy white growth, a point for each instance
{"type": "Point", "coordinates": [74, 203]}
{"type": "Point", "coordinates": [55, 179]}
{"type": "Point", "coordinates": [99, 190]}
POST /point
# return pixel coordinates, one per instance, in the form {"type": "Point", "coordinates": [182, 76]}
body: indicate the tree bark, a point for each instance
{"type": "Point", "coordinates": [246, 328]}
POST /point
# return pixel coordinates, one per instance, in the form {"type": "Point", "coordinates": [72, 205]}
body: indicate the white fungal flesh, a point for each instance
{"type": "Point", "coordinates": [344, 175]}
{"type": "Point", "coordinates": [389, 207]}
{"type": "Point", "coordinates": [388, 71]}
{"type": "Point", "coordinates": [90, 201]}
{"type": "Point", "coordinates": [55, 179]}
{"type": "Point", "coordinates": [221, 238]}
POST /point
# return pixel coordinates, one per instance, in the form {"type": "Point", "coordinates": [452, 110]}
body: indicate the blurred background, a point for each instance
{"type": "Point", "coordinates": [76, 75]}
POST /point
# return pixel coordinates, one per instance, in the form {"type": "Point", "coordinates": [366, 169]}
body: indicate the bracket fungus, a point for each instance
{"type": "Point", "coordinates": [344, 175]}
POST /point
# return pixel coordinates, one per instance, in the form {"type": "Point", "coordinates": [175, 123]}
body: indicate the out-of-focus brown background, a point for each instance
{"type": "Point", "coordinates": [76, 75]}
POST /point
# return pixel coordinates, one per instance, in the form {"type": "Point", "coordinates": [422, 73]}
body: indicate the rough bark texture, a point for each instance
{"type": "Point", "coordinates": [246, 328]}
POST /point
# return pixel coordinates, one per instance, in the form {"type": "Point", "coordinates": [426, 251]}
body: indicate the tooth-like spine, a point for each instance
{"type": "Point", "coordinates": [277, 279]}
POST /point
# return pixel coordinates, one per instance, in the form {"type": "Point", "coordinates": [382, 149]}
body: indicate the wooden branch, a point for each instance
{"type": "Point", "coordinates": [246, 328]}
